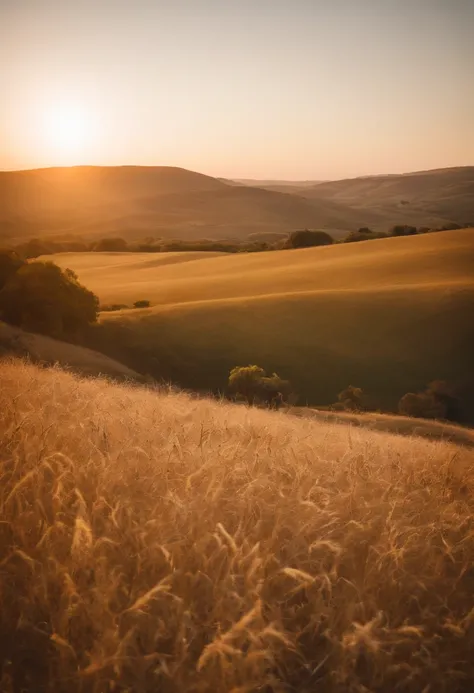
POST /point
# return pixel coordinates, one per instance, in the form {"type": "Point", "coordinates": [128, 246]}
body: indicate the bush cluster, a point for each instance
{"type": "Point", "coordinates": [366, 234]}
{"type": "Point", "coordinates": [255, 243]}
{"type": "Point", "coordinates": [438, 401]}
{"type": "Point", "coordinates": [253, 385]}
{"type": "Point", "coordinates": [40, 297]}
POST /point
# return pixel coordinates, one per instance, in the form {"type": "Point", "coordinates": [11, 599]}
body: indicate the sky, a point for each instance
{"type": "Point", "coordinates": [275, 89]}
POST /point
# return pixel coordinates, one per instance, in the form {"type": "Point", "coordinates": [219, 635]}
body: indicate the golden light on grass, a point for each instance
{"type": "Point", "coordinates": [153, 541]}
{"type": "Point", "coordinates": [379, 311]}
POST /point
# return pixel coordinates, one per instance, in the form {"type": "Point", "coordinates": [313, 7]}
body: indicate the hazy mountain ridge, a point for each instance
{"type": "Point", "coordinates": [139, 201]}
{"type": "Point", "coordinates": [440, 192]}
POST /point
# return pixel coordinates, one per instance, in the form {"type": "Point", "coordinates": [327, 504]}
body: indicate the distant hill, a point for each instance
{"type": "Point", "coordinates": [411, 197]}
{"type": "Point", "coordinates": [135, 202]}
{"type": "Point", "coordinates": [140, 201]}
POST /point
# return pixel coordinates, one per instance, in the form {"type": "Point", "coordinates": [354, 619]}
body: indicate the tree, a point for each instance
{"type": "Point", "coordinates": [364, 229]}
{"type": "Point", "coordinates": [403, 230]}
{"type": "Point", "coordinates": [246, 381]}
{"type": "Point", "coordinates": [10, 263]}
{"type": "Point", "coordinates": [111, 245]}
{"type": "Point", "coordinates": [351, 398]}
{"type": "Point", "coordinates": [36, 247]}
{"type": "Point", "coordinates": [361, 235]}
{"type": "Point", "coordinates": [308, 239]}
{"type": "Point", "coordinates": [421, 405]}
{"type": "Point", "coordinates": [42, 298]}
{"type": "Point", "coordinates": [252, 383]}
{"type": "Point", "coordinates": [446, 396]}
{"type": "Point", "coordinates": [141, 304]}
{"type": "Point", "coordinates": [438, 401]}
{"type": "Point", "coordinates": [273, 391]}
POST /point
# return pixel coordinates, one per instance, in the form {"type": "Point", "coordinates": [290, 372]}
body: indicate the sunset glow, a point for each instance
{"type": "Point", "coordinates": [69, 131]}
{"type": "Point", "coordinates": [288, 89]}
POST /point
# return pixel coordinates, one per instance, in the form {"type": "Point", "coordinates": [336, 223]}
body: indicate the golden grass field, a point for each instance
{"type": "Point", "coordinates": [388, 315]}
{"type": "Point", "coordinates": [402, 425]}
{"type": "Point", "coordinates": [150, 541]}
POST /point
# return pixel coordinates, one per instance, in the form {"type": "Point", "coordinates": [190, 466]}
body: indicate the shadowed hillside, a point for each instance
{"type": "Point", "coordinates": [44, 350]}
{"type": "Point", "coordinates": [447, 193]}
{"type": "Point", "coordinates": [136, 201]}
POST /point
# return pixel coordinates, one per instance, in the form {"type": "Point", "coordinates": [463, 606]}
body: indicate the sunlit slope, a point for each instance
{"type": "Point", "coordinates": [434, 259]}
{"type": "Point", "coordinates": [154, 542]}
{"type": "Point", "coordinates": [125, 277]}
{"type": "Point", "coordinates": [388, 316]}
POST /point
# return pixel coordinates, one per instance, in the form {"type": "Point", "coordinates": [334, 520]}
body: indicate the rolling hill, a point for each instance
{"type": "Point", "coordinates": [406, 198]}
{"type": "Point", "coordinates": [46, 351]}
{"type": "Point", "coordinates": [137, 202]}
{"type": "Point", "coordinates": [158, 542]}
{"type": "Point", "coordinates": [388, 315]}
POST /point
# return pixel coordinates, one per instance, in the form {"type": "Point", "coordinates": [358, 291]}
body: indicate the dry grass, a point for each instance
{"type": "Point", "coordinates": [388, 316]}
{"type": "Point", "coordinates": [391, 423]}
{"type": "Point", "coordinates": [154, 542]}
{"type": "Point", "coordinates": [427, 261]}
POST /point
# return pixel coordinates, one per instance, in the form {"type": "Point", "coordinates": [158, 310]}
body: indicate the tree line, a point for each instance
{"type": "Point", "coordinates": [439, 400]}
{"type": "Point", "coordinates": [303, 238]}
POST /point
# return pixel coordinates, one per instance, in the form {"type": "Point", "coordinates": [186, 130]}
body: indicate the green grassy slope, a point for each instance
{"type": "Point", "coordinates": [388, 315]}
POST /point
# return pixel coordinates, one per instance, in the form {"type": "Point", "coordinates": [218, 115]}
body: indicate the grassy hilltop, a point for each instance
{"type": "Point", "coordinates": [387, 315]}
{"type": "Point", "coordinates": [151, 541]}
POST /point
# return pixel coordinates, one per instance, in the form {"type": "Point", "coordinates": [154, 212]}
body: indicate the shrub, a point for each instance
{"type": "Point", "coordinates": [438, 401]}
{"type": "Point", "coordinates": [10, 263]}
{"type": "Point", "coordinates": [351, 398]}
{"type": "Point", "coordinates": [360, 235]}
{"type": "Point", "coordinates": [422, 405]}
{"type": "Point", "coordinates": [252, 384]}
{"type": "Point", "coordinates": [451, 227]}
{"type": "Point", "coordinates": [403, 230]}
{"type": "Point", "coordinates": [445, 394]}
{"type": "Point", "coordinates": [109, 308]}
{"type": "Point", "coordinates": [308, 239]}
{"type": "Point", "coordinates": [42, 298]}
{"type": "Point", "coordinates": [38, 246]}
{"type": "Point", "coordinates": [273, 391]}
{"type": "Point", "coordinates": [141, 304]}
{"type": "Point", "coordinates": [246, 381]}
{"type": "Point", "coordinates": [111, 245]}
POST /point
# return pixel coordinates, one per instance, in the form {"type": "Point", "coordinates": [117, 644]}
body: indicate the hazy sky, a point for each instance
{"type": "Point", "coordinates": [245, 88]}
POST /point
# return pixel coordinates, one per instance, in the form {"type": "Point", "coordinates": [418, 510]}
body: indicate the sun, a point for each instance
{"type": "Point", "coordinates": [69, 132]}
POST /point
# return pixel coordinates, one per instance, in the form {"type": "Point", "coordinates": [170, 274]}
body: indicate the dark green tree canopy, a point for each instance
{"type": "Point", "coordinates": [40, 297]}
{"type": "Point", "coordinates": [308, 239]}
{"type": "Point", "coordinates": [111, 245]}
{"type": "Point", "coordinates": [10, 263]}
{"type": "Point", "coordinates": [252, 383]}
